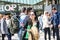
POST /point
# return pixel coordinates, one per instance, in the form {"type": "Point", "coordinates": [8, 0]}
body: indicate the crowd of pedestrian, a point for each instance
{"type": "Point", "coordinates": [27, 24]}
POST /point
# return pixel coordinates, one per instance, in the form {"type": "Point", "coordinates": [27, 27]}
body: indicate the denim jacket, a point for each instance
{"type": "Point", "coordinates": [55, 19]}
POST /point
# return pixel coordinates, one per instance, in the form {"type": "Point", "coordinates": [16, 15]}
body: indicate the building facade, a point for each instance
{"type": "Point", "coordinates": [15, 6]}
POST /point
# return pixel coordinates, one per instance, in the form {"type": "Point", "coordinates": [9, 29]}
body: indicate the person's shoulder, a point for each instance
{"type": "Point", "coordinates": [27, 16]}
{"type": "Point", "coordinates": [2, 19]}
{"type": "Point", "coordinates": [58, 12]}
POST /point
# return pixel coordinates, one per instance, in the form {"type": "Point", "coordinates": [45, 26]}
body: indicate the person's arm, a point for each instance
{"type": "Point", "coordinates": [10, 24]}
{"type": "Point", "coordinates": [59, 20]}
{"type": "Point", "coordinates": [2, 24]}
{"type": "Point", "coordinates": [38, 24]}
{"type": "Point", "coordinates": [52, 18]}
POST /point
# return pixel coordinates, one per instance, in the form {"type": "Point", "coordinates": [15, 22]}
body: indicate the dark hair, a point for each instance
{"type": "Point", "coordinates": [8, 14]}
{"type": "Point", "coordinates": [36, 17]}
{"type": "Point", "coordinates": [23, 9]}
{"type": "Point", "coordinates": [30, 22]}
{"type": "Point", "coordinates": [29, 10]}
{"type": "Point", "coordinates": [54, 8]}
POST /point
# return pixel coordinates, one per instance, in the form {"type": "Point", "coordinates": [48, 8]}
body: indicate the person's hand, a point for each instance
{"type": "Point", "coordinates": [59, 26]}
{"type": "Point", "coordinates": [22, 24]}
{"type": "Point", "coordinates": [51, 26]}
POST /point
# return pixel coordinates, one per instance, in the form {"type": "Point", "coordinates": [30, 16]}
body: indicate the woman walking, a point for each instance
{"type": "Point", "coordinates": [34, 29]}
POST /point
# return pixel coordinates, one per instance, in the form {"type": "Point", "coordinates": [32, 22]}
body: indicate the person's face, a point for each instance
{"type": "Point", "coordinates": [29, 12]}
{"type": "Point", "coordinates": [4, 16]}
{"type": "Point", "coordinates": [49, 15]}
{"type": "Point", "coordinates": [25, 11]}
{"type": "Point", "coordinates": [7, 16]}
{"type": "Point", "coordinates": [54, 11]}
{"type": "Point", "coordinates": [32, 15]}
{"type": "Point", "coordinates": [46, 14]}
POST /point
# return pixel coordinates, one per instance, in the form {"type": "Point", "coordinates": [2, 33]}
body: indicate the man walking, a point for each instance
{"type": "Point", "coordinates": [55, 22]}
{"type": "Point", "coordinates": [3, 27]}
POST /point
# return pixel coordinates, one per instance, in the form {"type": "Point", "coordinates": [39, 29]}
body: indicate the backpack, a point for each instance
{"type": "Point", "coordinates": [14, 24]}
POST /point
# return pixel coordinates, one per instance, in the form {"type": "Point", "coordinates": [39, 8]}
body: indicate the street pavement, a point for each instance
{"type": "Point", "coordinates": [42, 36]}
{"type": "Point", "coordinates": [15, 37]}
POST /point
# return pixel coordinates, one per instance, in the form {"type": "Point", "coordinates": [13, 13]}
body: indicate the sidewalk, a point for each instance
{"type": "Point", "coordinates": [15, 37]}
{"type": "Point", "coordinates": [42, 36]}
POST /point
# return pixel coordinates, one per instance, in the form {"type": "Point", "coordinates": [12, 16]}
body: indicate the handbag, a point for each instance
{"type": "Point", "coordinates": [34, 33]}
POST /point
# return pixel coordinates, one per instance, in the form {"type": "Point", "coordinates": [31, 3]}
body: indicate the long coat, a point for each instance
{"type": "Point", "coordinates": [4, 29]}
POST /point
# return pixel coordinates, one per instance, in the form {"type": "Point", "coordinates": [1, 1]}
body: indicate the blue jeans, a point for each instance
{"type": "Point", "coordinates": [21, 33]}
{"type": "Point", "coordinates": [9, 37]}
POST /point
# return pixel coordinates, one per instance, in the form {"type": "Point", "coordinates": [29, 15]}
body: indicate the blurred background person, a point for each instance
{"type": "Point", "coordinates": [35, 25]}
{"type": "Point", "coordinates": [55, 22]}
{"type": "Point", "coordinates": [29, 10]}
{"type": "Point", "coordinates": [14, 24]}
{"type": "Point", "coordinates": [22, 23]}
{"type": "Point", "coordinates": [40, 22]}
{"type": "Point", "coordinates": [8, 21]}
{"type": "Point", "coordinates": [27, 23]}
{"type": "Point", "coordinates": [46, 26]}
{"type": "Point", "coordinates": [3, 26]}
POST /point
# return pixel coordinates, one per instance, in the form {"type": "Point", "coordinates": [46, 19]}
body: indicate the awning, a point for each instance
{"type": "Point", "coordinates": [24, 1]}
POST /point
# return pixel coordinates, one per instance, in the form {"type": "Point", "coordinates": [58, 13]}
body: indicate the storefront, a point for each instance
{"type": "Point", "coordinates": [11, 7]}
{"type": "Point", "coordinates": [53, 3]}
{"type": "Point", "coordinates": [56, 4]}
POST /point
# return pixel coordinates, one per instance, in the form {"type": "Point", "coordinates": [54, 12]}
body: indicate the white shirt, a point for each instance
{"type": "Point", "coordinates": [22, 16]}
{"type": "Point", "coordinates": [8, 22]}
{"type": "Point", "coordinates": [45, 22]}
